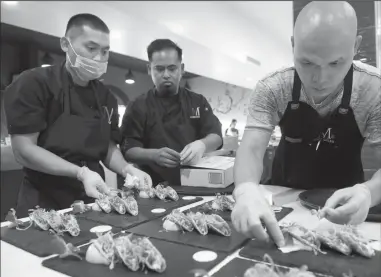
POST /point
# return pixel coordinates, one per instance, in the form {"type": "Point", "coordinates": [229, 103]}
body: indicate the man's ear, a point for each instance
{"type": "Point", "coordinates": [182, 69]}
{"type": "Point", "coordinates": [357, 44]}
{"type": "Point", "coordinates": [64, 44]}
{"type": "Point", "coordinates": [149, 69]}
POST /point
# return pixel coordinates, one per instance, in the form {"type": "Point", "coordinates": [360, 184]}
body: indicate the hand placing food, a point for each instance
{"type": "Point", "coordinates": [192, 153]}
{"type": "Point", "coordinates": [143, 178]}
{"type": "Point", "coordinates": [250, 208]}
{"type": "Point", "coordinates": [348, 206]}
{"type": "Point", "coordinates": [92, 182]}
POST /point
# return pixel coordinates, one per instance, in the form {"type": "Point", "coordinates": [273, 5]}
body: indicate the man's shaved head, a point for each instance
{"type": "Point", "coordinates": [325, 43]}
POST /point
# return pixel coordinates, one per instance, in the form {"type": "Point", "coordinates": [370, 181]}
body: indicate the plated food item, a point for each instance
{"type": "Point", "coordinates": [180, 219]}
{"type": "Point", "coordinates": [103, 202]}
{"type": "Point", "coordinates": [218, 224]}
{"type": "Point", "coordinates": [203, 223]}
{"type": "Point", "coordinates": [162, 191]}
{"type": "Point", "coordinates": [121, 204]}
{"type": "Point", "coordinates": [331, 240]}
{"type": "Point", "coordinates": [303, 235]}
{"type": "Point", "coordinates": [199, 222]}
{"type": "Point", "coordinates": [358, 244]}
{"type": "Point", "coordinates": [135, 253]}
{"type": "Point", "coordinates": [270, 270]}
{"type": "Point", "coordinates": [52, 220]}
{"type": "Point", "coordinates": [345, 239]}
{"type": "Point", "coordinates": [220, 203]}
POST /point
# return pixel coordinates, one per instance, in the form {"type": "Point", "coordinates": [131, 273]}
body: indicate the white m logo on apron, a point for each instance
{"type": "Point", "coordinates": [195, 113]}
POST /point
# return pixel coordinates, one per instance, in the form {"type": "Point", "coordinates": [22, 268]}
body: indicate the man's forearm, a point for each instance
{"type": "Point", "coordinates": [248, 167]}
{"type": "Point", "coordinates": [212, 142]}
{"type": "Point", "coordinates": [374, 185]}
{"type": "Point", "coordinates": [39, 159]}
{"type": "Point", "coordinates": [140, 155]}
{"type": "Point", "coordinates": [115, 161]}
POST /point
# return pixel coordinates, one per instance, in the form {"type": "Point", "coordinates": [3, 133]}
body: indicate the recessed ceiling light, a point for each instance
{"type": "Point", "coordinates": [249, 79]}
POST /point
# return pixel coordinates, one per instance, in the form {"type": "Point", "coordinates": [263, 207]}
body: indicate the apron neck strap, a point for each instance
{"type": "Point", "coordinates": [296, 88]}
{"type": "Point", "coordinates": [348, 81]}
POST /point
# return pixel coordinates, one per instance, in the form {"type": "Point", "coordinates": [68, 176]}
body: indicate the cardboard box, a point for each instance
{"type": "Point", "coordinates": [211, 172]}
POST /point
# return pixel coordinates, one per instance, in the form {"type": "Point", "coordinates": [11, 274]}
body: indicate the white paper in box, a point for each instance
{"type": "Point", "coordinates": [212, 172]}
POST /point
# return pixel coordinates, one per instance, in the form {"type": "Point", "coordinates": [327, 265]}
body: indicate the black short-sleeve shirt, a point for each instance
{"type": "Point", "coordinates": [34, 101]}
{"type": "Point", "coordinates": [187, 108]}
{"type": "Point", "coordinates": [154, 122]}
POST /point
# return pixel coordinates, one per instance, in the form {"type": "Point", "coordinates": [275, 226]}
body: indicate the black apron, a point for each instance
{"type": "Point", "coordinates": [174, 128]}
{"type": "Point", "coordinates": [80, 139]}
{"type": "Point", "coordinates": [315, 151]}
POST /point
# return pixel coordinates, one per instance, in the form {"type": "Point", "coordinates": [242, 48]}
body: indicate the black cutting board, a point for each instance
{"type": "Point", "coordinates": [145, 213]}
{"type": "Point", "coordinates": [316, 198]}
{"type": "Point", "coordinates": [227, 214]}
{"type": "Point", "coordinates": [201, 191]}
{"type": "Point", "coordinates": [332, 263]}
{"type": "Point", "coordinates": [178, 258]}
{"type": "Point", "coordinates": [38, 242]}
{"type": "Point", "coordinates": [212, 241]}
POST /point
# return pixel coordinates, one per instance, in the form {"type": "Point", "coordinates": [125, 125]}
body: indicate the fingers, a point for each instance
{"type": "Point", "coordinates": [335, 217]}
{"type": "Point", "coordinates": [184, 150]}
{"type": "Point", "coordinates": [255, 229]}
{"type": "Point", "coordinates": [273, 229]}
{"type": "Point", "coordinates": [188, 156]}
{"type": "Point", "coordinates": [342, 214]}
{"type": "Point", "coordinates": [169, 163]}
{"type": "Point", "coordinates": [336, 199]}
{"type": "Point", "coordinates": [173, 153]}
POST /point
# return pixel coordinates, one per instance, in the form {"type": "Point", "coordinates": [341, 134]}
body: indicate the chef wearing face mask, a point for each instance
{"type": "Point", "coordinates": [63, 122]}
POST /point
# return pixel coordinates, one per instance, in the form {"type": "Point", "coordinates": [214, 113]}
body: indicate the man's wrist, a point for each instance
{"type": "Point", "coordinates": [127, 169]}
{"type": "Point", "coordinates": [364, 188]}
{"type": "Point", "coordinates": [80, 172]}
{"type": "Point", "coordinates": [243, 188]}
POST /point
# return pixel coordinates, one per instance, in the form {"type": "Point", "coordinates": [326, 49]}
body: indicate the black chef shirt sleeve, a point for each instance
{"type": "Point", "coordinates": [25, 103]}
{"type": "Point", "coordinates": [209, 122]}
{"type": "Point", "coordinates": [133, 126]}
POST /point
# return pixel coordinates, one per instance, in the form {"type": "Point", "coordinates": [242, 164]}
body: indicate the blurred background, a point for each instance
{"type": "Point", "coordinates": [228, 46]}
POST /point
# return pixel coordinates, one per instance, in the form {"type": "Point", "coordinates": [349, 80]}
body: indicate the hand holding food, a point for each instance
{"type": "Point", "coordinates": [250, 208]}
{"type": "Point", "coordinates": [355, 203]}
{"type": "Point", "coordinates": [92, 182]}
{"type": "Point", "coordinates": [135, 177]}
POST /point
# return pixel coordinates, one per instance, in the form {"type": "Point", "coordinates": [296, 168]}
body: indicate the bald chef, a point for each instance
{"type": "Point", "coordinates": [326, 106]}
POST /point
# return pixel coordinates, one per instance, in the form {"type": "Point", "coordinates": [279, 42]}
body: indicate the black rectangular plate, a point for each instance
{"type": "Point", "coordinates": [38, 242]}
{"type": "Point", "coordinates": [332, 263]}
{"type": "Point", "coordinates": [178, 258]}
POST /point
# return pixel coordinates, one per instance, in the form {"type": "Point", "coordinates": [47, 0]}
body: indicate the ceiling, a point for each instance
{"type": "Point", "coordinates": [235, 28]}
{"type": "Point", "coordinates": [48, 43]}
